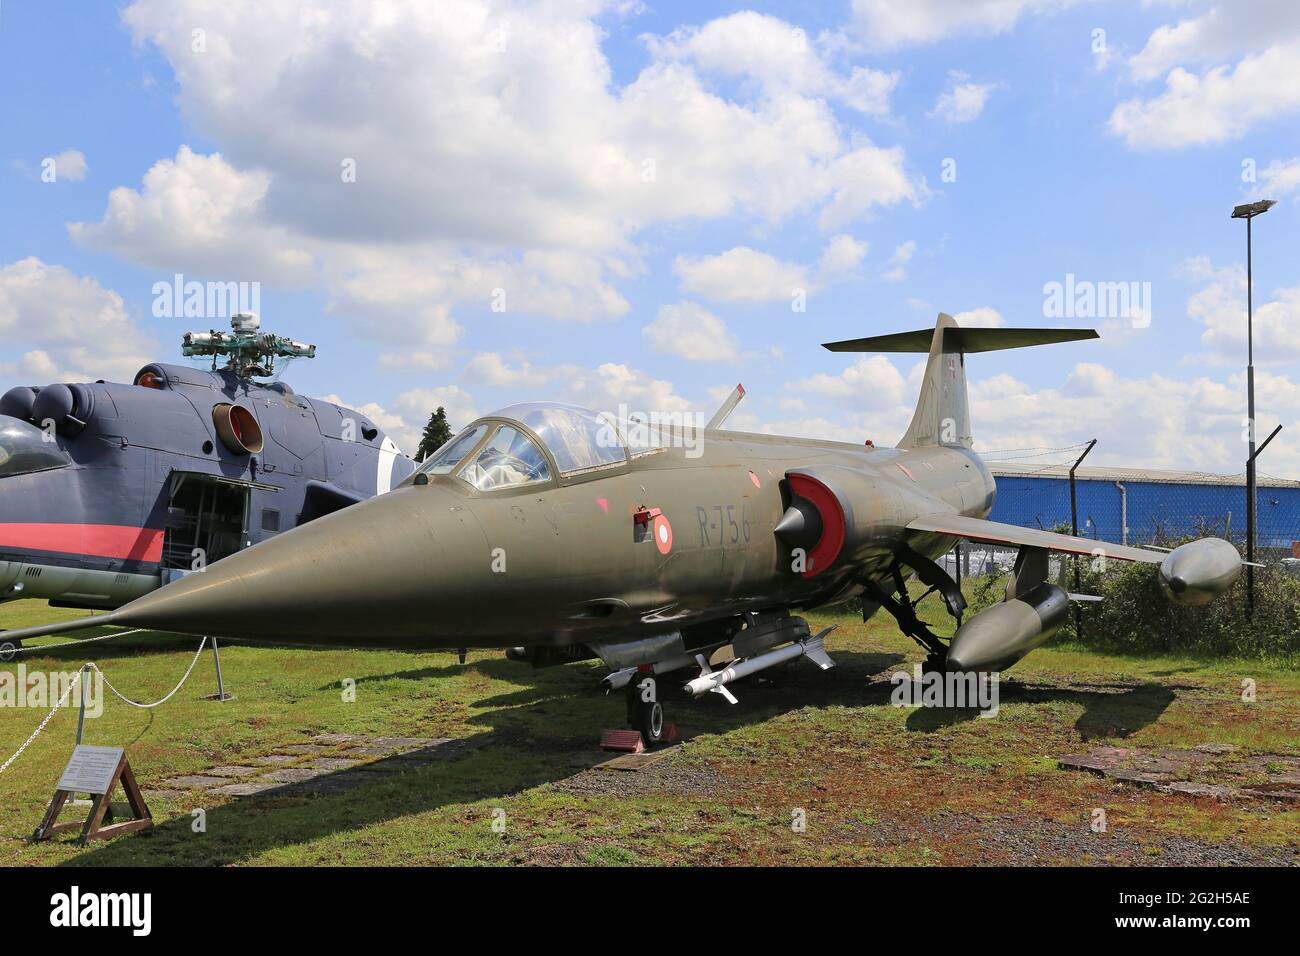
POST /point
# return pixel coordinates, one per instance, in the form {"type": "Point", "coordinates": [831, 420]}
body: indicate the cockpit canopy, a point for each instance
{"type": "Point", "coordinates": [24, 448]}
{"type": "Point", "coordinates": [496, 453]}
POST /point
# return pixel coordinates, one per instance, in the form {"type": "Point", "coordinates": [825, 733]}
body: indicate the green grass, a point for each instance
{"type": "Point", "coordinates": [877, 784]}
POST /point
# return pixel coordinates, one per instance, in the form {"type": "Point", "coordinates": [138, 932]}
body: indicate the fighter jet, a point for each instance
{"type": "Point", "coordinates": [108, 491]}
{"type": "Point", "coordinates": [551, 532]}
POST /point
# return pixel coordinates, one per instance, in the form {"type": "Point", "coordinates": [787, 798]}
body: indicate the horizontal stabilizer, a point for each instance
{"type": "Point", "coordinates": [958, 339]}
{"type": "Point", "coordinates": [994, 532]}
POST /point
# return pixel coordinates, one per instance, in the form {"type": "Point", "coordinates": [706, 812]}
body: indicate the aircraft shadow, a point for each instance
{"type": "Point", "coordinates": [546, 732]}
{"type": "Point", "coordinates": [531, 739]}
{"type": "Point", "coordinates": [1109, 710]}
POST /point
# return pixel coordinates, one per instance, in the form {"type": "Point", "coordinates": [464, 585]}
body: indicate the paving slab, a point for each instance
{"type": "Point", "coordinates": [194, 781]}
{"type": "Point", "coordinates": [403, 743]}
{"type": "Point", "coordinates": [244, 789]}
{"type": "Point", "coordinates": [369, 751]}
{"type": "Point", "coordinates": [292, 774]}
{"type": "Point", "coordinates": [1216, 748]}
{"type": "Point", "coordinates": [386, 766]}
{"type": "Point", "coordinates": [274, 759]}
{"type": "Point", "coordinates": [336, 782]}
{"type": "Point", "coordinates": [646, 758]}
{"type": "Point", "coordinates": [1191, 788]}
{"type": "Point", "coordinates": [335, 739]}
{"type": "Point", "coordinates": [331, 763]}
{"type": "Point", "coordinates": [1274, 791]}
{"type": "Point", "coordinates": [234, 770]}
{"type": "Point", "coordinates": [303, 749]}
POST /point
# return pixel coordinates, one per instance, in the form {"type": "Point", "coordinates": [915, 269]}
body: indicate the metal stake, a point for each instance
{"type": "Point", "coordinates": [221, 694]}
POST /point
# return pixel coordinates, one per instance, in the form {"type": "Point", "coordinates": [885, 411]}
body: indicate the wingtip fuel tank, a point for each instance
{"type": "Point", "coordinates": [1199, 571]}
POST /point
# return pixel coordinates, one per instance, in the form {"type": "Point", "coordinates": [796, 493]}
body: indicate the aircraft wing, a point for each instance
{"type": "Point", "coordinates": [995, 532]}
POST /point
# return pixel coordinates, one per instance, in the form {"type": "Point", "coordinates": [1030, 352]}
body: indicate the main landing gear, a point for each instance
{"type": "Point", "coordinates": [903, 608]}
{"type": "Point", "coordinates": [644, 711]}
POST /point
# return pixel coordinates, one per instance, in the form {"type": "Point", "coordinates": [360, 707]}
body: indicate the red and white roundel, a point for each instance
{"type": "Point", "coordinates": [663, 533]}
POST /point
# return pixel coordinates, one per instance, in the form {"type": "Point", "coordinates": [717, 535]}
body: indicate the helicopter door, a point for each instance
{"type": "Point", "coordinates": [207, 520]}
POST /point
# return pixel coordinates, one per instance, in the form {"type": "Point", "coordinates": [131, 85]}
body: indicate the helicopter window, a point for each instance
{"type": "Point", "coordinates": [577, 438]}
{"type": "Point", "coordinates": [446, 458]}
{"type": "Point", "coordinates": [510, 458]}
{"type": "Point", "coordinates": [24, 449]}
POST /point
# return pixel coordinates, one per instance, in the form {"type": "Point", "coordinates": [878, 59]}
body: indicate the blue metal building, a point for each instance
{"type": "Point", "coordinates": [1135, 506]}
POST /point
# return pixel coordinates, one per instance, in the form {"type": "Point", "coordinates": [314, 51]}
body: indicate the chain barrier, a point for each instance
{"type": "Point", "coordinates": [91, 665]}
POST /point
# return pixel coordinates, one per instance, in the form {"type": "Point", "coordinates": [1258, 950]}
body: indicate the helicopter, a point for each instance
{"type": "Point", "coordinates": [111, 490]}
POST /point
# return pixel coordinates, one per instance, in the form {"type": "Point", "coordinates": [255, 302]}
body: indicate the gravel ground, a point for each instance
{"type": "Point", "coordinates": [1007, 840]}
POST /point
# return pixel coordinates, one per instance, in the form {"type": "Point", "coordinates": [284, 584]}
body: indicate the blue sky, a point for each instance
{"type": "Point", "coordinates": [645, 186]}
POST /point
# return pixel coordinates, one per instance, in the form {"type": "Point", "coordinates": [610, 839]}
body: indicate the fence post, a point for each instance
{"type": "Point", "coordinates": [1250, 515]}
{"type": "Point", "coordinates": [1074, 530]}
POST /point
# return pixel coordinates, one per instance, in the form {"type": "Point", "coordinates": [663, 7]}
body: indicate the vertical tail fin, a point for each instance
{"type": "Point", "coordinates": [942, 415]}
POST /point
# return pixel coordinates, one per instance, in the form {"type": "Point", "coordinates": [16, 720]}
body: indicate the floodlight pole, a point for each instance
{"type": "Point", "coordinates": [1250, 415]}
{"type": "Point", "coordinates": [1249, 211]}
{"type": "Point", "coordinates": [1074, 530]}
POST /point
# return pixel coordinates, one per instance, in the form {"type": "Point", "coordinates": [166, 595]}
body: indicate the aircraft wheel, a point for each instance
{"type": "Point", "coordinates": [9, 649]}
{"type": "Point", "coordinates": [650, 721]}
{"type": "Point", "coordinates": [644, 712]}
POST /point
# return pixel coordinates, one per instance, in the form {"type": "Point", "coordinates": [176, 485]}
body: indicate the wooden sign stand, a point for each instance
{"type": "Point", "coordinates": [94, 828]}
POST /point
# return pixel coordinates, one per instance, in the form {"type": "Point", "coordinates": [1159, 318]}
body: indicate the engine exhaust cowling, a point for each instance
{"type": "Point", "coordinates": [1000, 635]}
{"type": "Point", "coordinates": [237, 428]}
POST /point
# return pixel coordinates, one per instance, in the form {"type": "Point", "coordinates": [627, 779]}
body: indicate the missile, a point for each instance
{"type": "Point", "coordinates": [617, 680]}
{"type": "Point", "coordinates": [1199, 571]}
{"type": "Point", "coordinates": [716, 681]}
{"type": "Point", "coordinates": [1000, 635]}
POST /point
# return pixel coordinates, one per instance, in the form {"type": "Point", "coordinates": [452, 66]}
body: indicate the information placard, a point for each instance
{"type": "Point", "coordinates": [91, 769]}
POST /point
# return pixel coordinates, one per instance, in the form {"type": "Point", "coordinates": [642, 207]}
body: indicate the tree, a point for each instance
{"type": "Point", "coordinates": [436, 434]}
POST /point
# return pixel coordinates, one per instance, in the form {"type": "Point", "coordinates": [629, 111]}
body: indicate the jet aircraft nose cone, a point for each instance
{"type": "Point", "coordinates": [364, 573]}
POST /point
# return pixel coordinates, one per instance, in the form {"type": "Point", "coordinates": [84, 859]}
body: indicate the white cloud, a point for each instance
{"type": "Point", "coordinates": [778, 57]}
{"type": "Point", "coordinates": [613, 383]}
{"type": "Point", "coordinates": [1148, 421]}
{"type": "Point", "coordinates": [198, 214]}
{"type": "Point", "coordinates": [842, 255]}
{"type": "Point", "coordinates": [865, 178]}
{"type": "Point", "coordinates": [690, 331]}
{"type": "Point", "coordinates": [71, 327]}
{"type": "Point", "coordinates": [741, 274]}
{"type": "Point", "coordinates": [889, 23]}
{"type": "Point", "coordinates": [1220, 305]}
{"type": "Point", "coordinates": [1145, 422]}
{"type": "Point", "coordinates": [70, 164]}
{"type": "Point", "coordinates": [1221, 33]}
{"type": "Point", "coordinates": [871, 381]}
{"type": "Point", "coordinates": [963, 101]}
{"type": "Point", "coordinates": [984, 317]}
{"type": "Point", "coordinates": [415, 406]}
{"type": "Point", "coordinates": [491, 150]}
{"type": "Point", "coordinates": [1279, 178]}
{"type": "Point", "coordinates": [898, 261]}
{"type": "Point", "coordinates": [1208, 98]}
{"type": "Point", "coordinates": [491, 369]}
